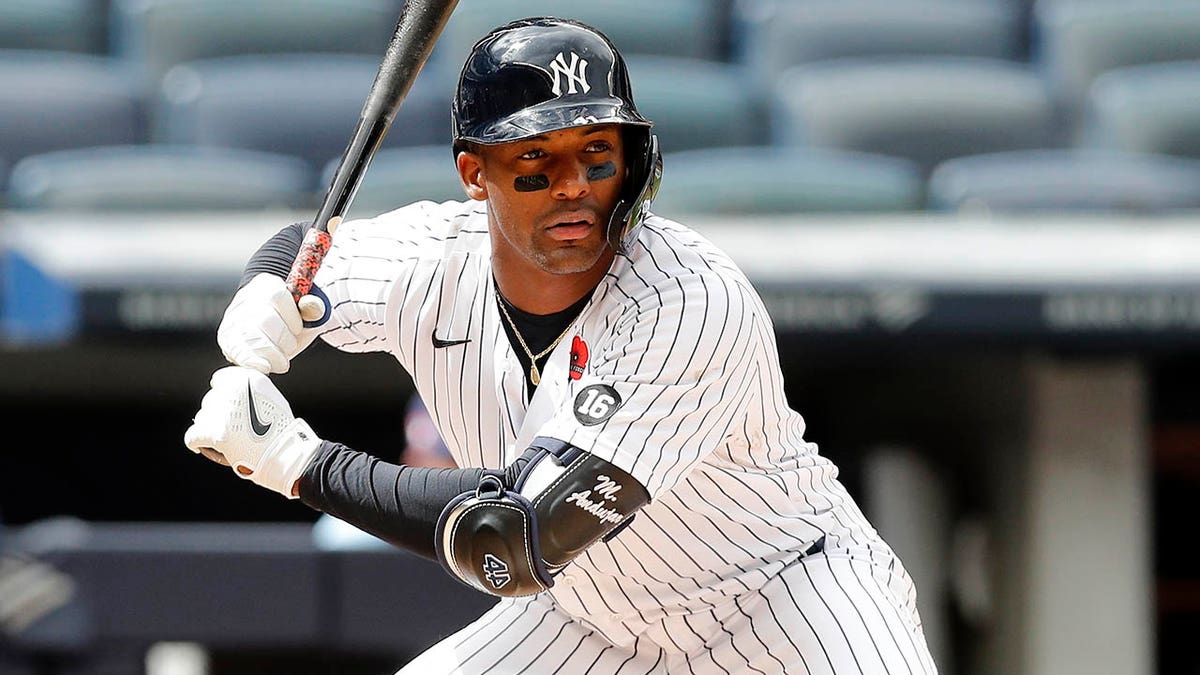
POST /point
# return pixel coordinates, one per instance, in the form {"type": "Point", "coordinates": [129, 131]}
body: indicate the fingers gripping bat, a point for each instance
{"type": "Point", "coordinates": [419, 25]}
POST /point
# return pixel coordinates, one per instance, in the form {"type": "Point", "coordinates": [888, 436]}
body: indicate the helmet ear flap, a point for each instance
{"type": "Point", "coordinates": [643, 176]}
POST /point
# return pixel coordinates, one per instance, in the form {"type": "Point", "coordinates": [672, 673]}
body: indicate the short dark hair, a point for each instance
{"type": "Point", "coordinates": [467, 146]}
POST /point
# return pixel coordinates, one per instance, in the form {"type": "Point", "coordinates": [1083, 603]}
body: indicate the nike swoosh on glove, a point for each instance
{"type": "Point", "coordinates": [262, 327]}
{"type": "Point", "coordinates": [249, 422]}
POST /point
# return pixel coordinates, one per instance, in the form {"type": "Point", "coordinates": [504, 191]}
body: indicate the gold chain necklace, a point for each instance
{"type": "Point", "coordinates": [535, 376]}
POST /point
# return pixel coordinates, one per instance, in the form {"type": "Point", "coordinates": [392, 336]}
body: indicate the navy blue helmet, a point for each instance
{"type": "Point", "coordinates": [543, 74]}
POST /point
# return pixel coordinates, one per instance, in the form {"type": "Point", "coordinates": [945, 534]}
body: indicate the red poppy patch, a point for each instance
{"type": "Point", "coordinates": [579, 357]}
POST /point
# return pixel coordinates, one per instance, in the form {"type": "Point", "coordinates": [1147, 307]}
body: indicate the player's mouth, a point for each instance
{"type": "Point", "coordinates": [570, 228]}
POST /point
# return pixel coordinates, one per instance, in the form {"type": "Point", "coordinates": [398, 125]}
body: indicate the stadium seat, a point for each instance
{"type": "Point", "coordinates": [697, 103]}
{"type": "Point", "coordinates": [769, 37]}
{"type": "Point", "coordinates": [301, 105]}
{"type": "Point", "coordinates": [155, 177]}
{"type": "Point", "coordinates": [1065, 180]}
{"type": "Point", "coordinates": [1074, 41]}
{"type": "Point", "coordinates": [773, 180]}
{"type": "Point", "coordinates": [925, 109]}
{"type": "Point", "coordinates": [399, 176]}
{"type": "Point", "coordinates": [69, 25]}
{"type": "Point", "coordinates": [154, 35]}
{"type": "Point", "coordinates": [59, 100]}
{"type": "Point", "coordinates": [688, 28]}
{"type": "Point", "coordinates": [1153, 108]}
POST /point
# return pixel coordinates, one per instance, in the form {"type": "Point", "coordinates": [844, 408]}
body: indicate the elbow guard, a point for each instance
{"type": "Point", "coordinates": [512, 541]}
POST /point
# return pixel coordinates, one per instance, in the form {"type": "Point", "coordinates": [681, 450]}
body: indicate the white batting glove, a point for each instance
{"type": "Point", "coordinates": [246, 420]}
{"type": "Point", "coordinates": [262, 328]}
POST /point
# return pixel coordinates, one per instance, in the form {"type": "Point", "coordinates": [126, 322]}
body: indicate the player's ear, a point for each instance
{"type": "Point", "coordinates": [470, 172]}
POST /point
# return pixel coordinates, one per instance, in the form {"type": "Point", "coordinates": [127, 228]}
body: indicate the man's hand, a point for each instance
{"type": "Point", "coordinates": [262, 328]}
{"type": "Point", "coordinates": [246, 422]}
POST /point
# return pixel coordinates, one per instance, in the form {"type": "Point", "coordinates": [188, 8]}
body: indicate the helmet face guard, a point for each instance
{"type": "Point", "coordinates": [538, 75]}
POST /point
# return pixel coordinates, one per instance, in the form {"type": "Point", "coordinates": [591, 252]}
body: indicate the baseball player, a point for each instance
{"type": "Point", "coordinates": [634, 488]}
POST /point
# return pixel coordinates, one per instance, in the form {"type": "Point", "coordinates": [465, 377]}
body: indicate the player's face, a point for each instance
{"type": "Point", "coordinates": [550, 197]}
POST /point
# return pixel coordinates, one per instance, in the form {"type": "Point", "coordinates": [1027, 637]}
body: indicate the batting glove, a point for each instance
{"type": "Point", "coordinates": [262, 328]}
{"type": "Point", "coordinates": [249, 424]}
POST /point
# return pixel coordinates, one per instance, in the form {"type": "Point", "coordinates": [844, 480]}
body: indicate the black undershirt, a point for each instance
{"type": "Point", "coordinates": [397, 503]}
{"type": "Point", "coordinates": [276, 255]}
{"type": "Point", "coordinates": [539, 331]}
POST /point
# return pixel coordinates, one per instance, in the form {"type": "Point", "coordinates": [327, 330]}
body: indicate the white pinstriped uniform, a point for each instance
{"type": "Point", "coordinates": [711, 576]}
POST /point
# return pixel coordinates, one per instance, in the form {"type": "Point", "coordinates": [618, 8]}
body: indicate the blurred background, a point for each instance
{"type": "Point", "coordinates": [974, 223]}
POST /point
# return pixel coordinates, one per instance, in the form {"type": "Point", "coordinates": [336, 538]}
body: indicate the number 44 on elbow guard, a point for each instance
{"type": "Point", "coordinates": [511, 541]}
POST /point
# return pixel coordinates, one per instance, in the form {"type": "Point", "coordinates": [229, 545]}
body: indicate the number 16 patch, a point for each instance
{"type": "Point", "coordinates": [596, 403]}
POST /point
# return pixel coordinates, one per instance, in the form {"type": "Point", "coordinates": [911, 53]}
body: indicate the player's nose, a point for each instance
{"type": "Point", "coordinates": [572, 182]}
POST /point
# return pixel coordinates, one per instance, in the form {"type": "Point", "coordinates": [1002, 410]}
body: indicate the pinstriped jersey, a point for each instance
{"type": "Point", "coordinates": [670, 372]}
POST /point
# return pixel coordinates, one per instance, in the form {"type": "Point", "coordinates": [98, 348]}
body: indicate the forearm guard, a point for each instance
{"type": "Point", "coordinates": [512, 540]}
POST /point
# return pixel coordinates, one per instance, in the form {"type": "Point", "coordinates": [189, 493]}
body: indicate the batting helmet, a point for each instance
{"type": "Point", "coordinates": [543, 74]}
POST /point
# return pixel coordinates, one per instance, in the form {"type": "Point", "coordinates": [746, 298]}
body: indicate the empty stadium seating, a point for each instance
{"type": "Point", "coordinates": [399, 176]}
{"type": "Point", "coordinates": [302, 105]}
{"type": "Point", "coordinates": [1075, 41]}
{"type": "Point", "coordinates": [151, 36]}
{"type": "Point", "coordinates": [770, 37]}
{"type": "Point", "coordinates": [919, 82]}
{"type": "Point", "coordinates": [69, 25]}
{"type": "Point", "coordinates": [149, 176]}
{"type": "Point", "coordinates": [53, 100]}
{"type": "Point", "coordinates": [773, 180]}
{"type": "Point", "coordinates": [687, 28]}
{"type": "Point", "coordinates": [1067, 180]}
{"type": "Point", "coordinates": [1153, 108]}
{"type": "Point", "coordinates": [697, 103]}
{"type": "Point", "coordinates": [924, 109]}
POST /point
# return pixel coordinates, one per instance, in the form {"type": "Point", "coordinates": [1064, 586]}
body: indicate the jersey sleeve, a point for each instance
{"type": "Point", "coordinates": [669, 381]}
{"type": "Point", "coordinates": [367, 260]}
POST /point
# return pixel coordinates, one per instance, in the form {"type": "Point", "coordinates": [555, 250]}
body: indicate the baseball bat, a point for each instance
{"type": "Point", "coordinates": [417, 29]}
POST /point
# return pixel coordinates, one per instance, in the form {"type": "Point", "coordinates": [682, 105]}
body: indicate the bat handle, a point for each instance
{"type": "Point", "coordinates": [300, 279]}
{"type": "Point", "coordinates": [368, 134]}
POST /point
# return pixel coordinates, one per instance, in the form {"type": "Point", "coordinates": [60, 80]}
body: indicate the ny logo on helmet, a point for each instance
{"type": "Point", "coordinates": [575, 71]}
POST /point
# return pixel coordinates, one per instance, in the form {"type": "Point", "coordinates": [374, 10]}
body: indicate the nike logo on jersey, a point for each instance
{"type": "Point", "coordinates": [256, 424]}
{"type": "Point", "coordinates": [439, 343]}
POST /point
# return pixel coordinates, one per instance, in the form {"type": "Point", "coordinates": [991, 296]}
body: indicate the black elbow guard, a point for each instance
{"type": "Point", "coordinates": [511, 541]}
{"type": "Point", "coordinates": [488, 539]}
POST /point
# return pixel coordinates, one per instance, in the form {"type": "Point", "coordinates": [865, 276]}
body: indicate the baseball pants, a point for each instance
{"type": "Point", "coordinates": [826, 614]}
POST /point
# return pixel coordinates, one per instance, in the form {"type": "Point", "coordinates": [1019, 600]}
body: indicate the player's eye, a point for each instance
{"type": "Point", "coordinates": [532, 154]}
{"type": "Point", "coordinates": [598, 146]}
